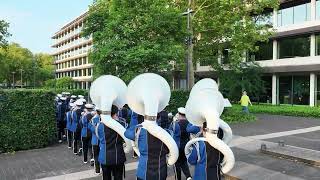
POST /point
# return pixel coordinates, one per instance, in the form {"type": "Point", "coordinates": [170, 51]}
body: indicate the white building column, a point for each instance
{"type": "Point", "coordinates": [313, 10]}
{"type": "Point", "coordinates": [275, 50]}
{"type": "Point", "coordinates": [313, 45]}
{"type": "Point", "coordinates": [274, 89]}
{"type": "Point", "coordinates": [275, 18]}
{"type": "Point", "coordinates": [312, 89]}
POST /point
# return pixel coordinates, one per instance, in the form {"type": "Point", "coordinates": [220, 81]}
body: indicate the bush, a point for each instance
{"type": "Point", "coordinates": [287, 110]}
{"type": "Point", "coordinates": [27, 119]}
{"type": "Point", "coordinates": [230, 115]}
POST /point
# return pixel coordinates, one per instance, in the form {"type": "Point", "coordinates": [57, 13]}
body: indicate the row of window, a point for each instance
{"type": "Point", "coordinates": [73, 52]}
{"type": "Point", "coordinates": [75, 73]}
{"type": "Point", "coordinates": [76, 29]}
{"type": "Point", "coordinates": [291, 15]}
{"type": "Point", "coordinates": [72, 63]}
{"type": "Point", "coordinates": [290, 47]}
{"type": "Point", "coordinates": [71, 43]}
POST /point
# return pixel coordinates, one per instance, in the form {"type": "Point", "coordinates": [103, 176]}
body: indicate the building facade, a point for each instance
{"type": "Point", "coordinates": [71, 53]}
{"type": "Point", "coordinates": [291, 59]}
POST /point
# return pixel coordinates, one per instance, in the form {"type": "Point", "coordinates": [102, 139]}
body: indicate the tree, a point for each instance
{"type": "Point", "coordinates": [13, 59]}
{"type": "Point", "coordinates": [43, 68]}
{"type": "Point", "coordinates": [3, 32]}
{"type": "Point", "coordinates": [230, 25]}
{"type": "Point", "coordinates": [133, 37]}
{"type": "Point", "coordinates": [35, 69]}
{"type": "Point", "coordinates": [61, 83]}
{"type": "Point", "coordinates": [232, 82]}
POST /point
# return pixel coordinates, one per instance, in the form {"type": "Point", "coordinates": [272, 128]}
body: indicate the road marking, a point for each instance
{"type": "Point", "coordinates": [86, 174]}
{"type": "Point", "coordinates": [285, 133]}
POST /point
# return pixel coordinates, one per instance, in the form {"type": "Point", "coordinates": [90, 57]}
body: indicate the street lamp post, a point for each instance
{"type": "Point", "coordinates": [190, 70]}
{"type": "Point", "coordinates": [13, 85]}
{"type": "Point", "coordinates": [21, 70]}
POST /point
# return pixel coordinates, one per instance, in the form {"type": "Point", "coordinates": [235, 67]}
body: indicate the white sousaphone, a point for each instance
{"type": "Point", "coordinates": [106, 91]}
{"type": "Point", "coordinates": [147, 95]}
{"type": "Point", "coordinates": [211, 85]}
{"type": "Point", "coordinates": [206, 104]}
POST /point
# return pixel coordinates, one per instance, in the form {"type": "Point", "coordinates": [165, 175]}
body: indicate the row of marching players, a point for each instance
{"type": "Point", "coordinates": [88, 136]}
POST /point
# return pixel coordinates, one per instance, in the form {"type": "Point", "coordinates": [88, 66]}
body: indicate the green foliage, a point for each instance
{"type": "Point", "coordinates": [3, 32]}
{"type": "Point", "coordinates": [27, 119]}
{"type": "Point", "coordinates": [232, 82]}
{"type": "Point", "coordinates": [287, 110]}
{"type": "Point", "coordinates": [230, 115]}
{"type": "Point", "coordinates": [61, 83]}
{"type": "Point", "coordinates": [225, 24]}
{"type": "Point", "coordinates": [133, 37]}
{"type": "Point", "coordinates": [36, 69]}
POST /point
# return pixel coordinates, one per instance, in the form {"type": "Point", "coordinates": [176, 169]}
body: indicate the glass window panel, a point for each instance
{"type": "Point", "coordinates": [265, 51]}
{"type": "Point", "coordinates": [287, 16]}
{"type": "Point", "coordinates": [285, 86]}
{"type": "Point", "coordinates": [294, 47]}
{"type": "Point", "coordinates": [301, 90]}
{"type": "Point", "coordinates": [318, 45]}
{"type": "Point", "coordinates": [318, 9]}
{"type": "Point", "coordinates": [266, 96]}
{"type": "Point", "coordinates": [300, 13]}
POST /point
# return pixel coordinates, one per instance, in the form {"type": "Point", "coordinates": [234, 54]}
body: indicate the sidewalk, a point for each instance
{"type": "Point", "coordinates": [58, 162]}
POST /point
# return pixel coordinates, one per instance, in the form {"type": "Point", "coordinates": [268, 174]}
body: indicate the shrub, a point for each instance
{"type": "Point", "coordinates": [287, 110]}
{"type": "Point", "coordinates": [27, 119]}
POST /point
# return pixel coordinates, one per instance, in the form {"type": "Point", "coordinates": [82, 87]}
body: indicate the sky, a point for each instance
{"type": "Point", "coordinates": [33, 22]}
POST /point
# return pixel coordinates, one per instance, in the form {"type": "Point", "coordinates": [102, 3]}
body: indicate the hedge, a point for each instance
{"type": "Point", "coordinates": [287, 110]}
{"type": "Point", "coordinates": [27, 119]}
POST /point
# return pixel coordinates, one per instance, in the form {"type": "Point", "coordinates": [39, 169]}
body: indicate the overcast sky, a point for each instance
{"type": "Point", "coordinates": [33, 22]}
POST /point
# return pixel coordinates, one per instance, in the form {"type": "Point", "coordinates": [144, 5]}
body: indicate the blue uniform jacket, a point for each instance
{"type": "Point", "coordinates": [92, 126]}
{"type": "Point", "coordinates": [68, 119]}
{"type": "Point", "coordinates": [111, 146]}
{"type": "Point", "coordinates": [180, 134]}
{"type": "Point", "coordinates": [84, 122]}
{"type": "Point", "coordinates": [206, 160]}
{"type": "Point", "coordinates": [75, 117]}
{"type": "Point", "coordinates": [152, 160]}
{"type": "Point", "coordinates": [193, 129]}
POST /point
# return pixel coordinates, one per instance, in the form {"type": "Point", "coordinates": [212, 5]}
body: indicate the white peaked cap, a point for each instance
{"type": "Point", "coordinates": [182, 110]}
{"type": "Point", "coordinates": [67, 93]}
{"type": "Point", "coordinates": [59, 95]}
{"type": "Point", "coordinates": [63, 98]}
{"type": "Point", "coordinates": [79, 102]}
{"type": "Point", "coordinates": [63, 93]}
{"type": "Point", "coordinates": [72, 104]}
{"type": "Point", "coordinates": [83, 100]}
{"type": "Point", "coordinates": [89, 106]}
{"type": "Point", "coordinates": [73, 96]}
{"type": "Point", "coordinates": [80, 96]}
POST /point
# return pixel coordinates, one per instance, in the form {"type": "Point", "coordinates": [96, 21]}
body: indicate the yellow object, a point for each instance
{"type": "Point", "coordinates": [245, 100]}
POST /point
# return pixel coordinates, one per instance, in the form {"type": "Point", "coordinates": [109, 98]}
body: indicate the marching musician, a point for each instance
{"type": "Point", "coordinates": [86, 132]}
{"type": "Point", "coordinates": [181, 136]}
{"type": "Point", "coordinates": [75, 126]}
{"type": "Point", "coordinates": [152, 160]}
{"type": "Point", "coordinates": [68, 125]}
{"type": "Point", "coordinates": [61, 110]}
{"type": "Point", "coordinates": [93, 125]}
{"type": "Point", "coordinates": [111, 155]}
{"type": "Point", "coordinates": [206, 159]}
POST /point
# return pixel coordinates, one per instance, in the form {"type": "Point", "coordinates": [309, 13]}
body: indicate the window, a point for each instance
{"type": "Point", "coordinates": [318, 9]}
{"type": "Point", "coordinates": [89, 72]}
{"type": "Point", "coordinates": [266, 96]}
{"type": "Point", "coordinates": [80, 72]}
{"type": "Point", "coordinates": [265, 52]}
{"type": "Point", "coordinates": [294, 47]}
{"type": "Point", "coordinates": [225, 56]}
{"type": "Point", "coordinates": [80, 61]}
{"type": "Point", "coordinates": [265, 19]}
{"type": "Point", "coordinates": [318, 45]}
{"type": "Point", "coordinates": [294, 15]}
{"type": "Point", "coordinates": [85, 72]}
{"type": "Point", "coordinates": [294, 90]}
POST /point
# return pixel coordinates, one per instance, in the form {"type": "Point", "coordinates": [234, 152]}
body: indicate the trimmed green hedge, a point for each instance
{"type": "Point", "coordinates": [230, 115]}
{"type": "Point", "coordinates": [287, 110]}
{"type": "Point", "coordinates": [27, 119]}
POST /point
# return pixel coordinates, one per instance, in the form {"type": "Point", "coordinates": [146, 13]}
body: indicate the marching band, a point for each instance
{"type": "Point", "coordinates": [123, 119]}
